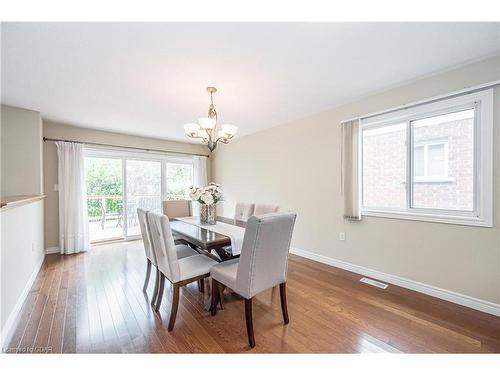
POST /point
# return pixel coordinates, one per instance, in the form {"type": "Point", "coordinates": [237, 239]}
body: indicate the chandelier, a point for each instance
{"type": "Point", "coordinates": [206, 127]}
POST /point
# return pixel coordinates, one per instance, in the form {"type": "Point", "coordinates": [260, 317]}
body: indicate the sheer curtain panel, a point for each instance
{"type": "Point", "coordinates": [73, 223]}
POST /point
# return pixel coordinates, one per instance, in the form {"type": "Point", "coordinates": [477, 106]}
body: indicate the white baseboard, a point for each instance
{"type": "Point", "coordinates": [448, 295]}
{"type": "Point", "coordinates": [10, 324]}
{"type": "Point", "coordinates": [52, 250]}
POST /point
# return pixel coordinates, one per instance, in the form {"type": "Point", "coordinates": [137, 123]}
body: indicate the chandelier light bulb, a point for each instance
{"type": "Point", "coordinates": [229, 129]}
{"type": "Point", "coordinates": [206, 123]}
{"type": "Point", "coordinates": [191, 129]}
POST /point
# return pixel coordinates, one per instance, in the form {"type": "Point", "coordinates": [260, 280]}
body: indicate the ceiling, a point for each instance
{"type": "Point", "coordinates": [150, 78]}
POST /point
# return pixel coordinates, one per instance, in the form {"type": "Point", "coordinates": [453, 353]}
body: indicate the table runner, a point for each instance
{"type": "Point", "coordinates": [234, 232]}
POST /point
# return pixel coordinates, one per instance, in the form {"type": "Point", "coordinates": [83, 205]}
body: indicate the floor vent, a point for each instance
{"type": "Point", "coordinates": [378, 284]}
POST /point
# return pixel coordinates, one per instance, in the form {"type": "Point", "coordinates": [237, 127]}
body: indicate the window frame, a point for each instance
{"type": "Point", "coordinates": [482, 213]}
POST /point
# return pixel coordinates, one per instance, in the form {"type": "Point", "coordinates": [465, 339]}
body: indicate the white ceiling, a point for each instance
{"type": "Point", "coordinates": [150, 78]}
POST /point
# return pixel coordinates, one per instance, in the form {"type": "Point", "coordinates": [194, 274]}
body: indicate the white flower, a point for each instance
{"type": "Point", "coordinates": [207, 198]}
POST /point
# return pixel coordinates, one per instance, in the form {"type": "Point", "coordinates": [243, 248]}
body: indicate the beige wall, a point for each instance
{"type": "Point", "coordinates": [63, 131]}
{"type": "Point", "coordinates": [297, 165]}
{"type": "Point", "coordinates": [22, 170]}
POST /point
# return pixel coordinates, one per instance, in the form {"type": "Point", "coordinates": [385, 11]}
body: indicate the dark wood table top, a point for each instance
{"type": "Point", "coordinates": [201, 237]}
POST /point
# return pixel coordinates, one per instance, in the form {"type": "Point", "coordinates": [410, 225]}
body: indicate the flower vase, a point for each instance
{"type": "Point", "coordinates": [208, 214]}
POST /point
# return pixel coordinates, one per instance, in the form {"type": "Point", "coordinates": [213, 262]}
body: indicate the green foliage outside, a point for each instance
{"type": "Point", "coordinates": [103, 177]}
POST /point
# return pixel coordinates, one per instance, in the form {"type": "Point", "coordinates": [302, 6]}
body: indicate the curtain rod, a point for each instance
{"type": "Point", "coordinates": [45, 139]}
{"type": "Point", "coordinates": [427, 101]}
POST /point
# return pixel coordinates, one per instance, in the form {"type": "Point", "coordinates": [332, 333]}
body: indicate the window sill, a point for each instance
{"type": "Point", "coordinates": [434, 218]}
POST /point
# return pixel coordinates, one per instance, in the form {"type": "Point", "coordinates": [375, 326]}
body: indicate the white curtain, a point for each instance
{"type": "Point", "coordinates": [200, 166]}
{"type": "Point", "coordinates": [350, 169]}
{"type": "Point", "coordinates": [73, 223]}
{"type": "Point", "coordinates": [200, 178]}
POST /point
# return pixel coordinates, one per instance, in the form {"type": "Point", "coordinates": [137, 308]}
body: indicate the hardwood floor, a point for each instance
{"type": "Point", "coordinates": [94, 303]}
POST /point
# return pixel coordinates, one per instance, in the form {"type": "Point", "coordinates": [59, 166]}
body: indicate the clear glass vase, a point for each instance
{"type": "Point", "coordinates": [208, 214]}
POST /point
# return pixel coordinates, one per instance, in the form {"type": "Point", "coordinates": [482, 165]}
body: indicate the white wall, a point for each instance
{"type": "Point", "coordinates": [22, 241]}
{"type": "Point", "coordinates": [22, 161]}
{"type": "Point", "coordinates": [22, 253]}
{"type": "Point", "coordinates": [297, 165]}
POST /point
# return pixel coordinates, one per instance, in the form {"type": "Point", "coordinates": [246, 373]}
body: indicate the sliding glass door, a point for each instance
{"type": "Point", "coordinates": [143, 190]}
{"type": "Point", "coordinates": [119, 182]}
{"type": "Point", "coordinates": [104, 180]}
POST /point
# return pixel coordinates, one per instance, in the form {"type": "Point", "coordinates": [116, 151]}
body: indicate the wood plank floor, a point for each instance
{"type": "Point", "coordinates": [94, 303]}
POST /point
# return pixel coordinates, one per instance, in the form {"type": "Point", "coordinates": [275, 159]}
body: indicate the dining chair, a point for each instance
{"type": "Point", "coordinates": [178, 271]}
{"type": "Point", "coordinates": [261, 209]}
{"type": "Point", "coordinates": [150, 256]}
{"type": "Point", "coordinates": [243, 211]}
{"type": "Point", "coordinates": [182, 251]}
{"type": "Point", "coordinates": [177, 208]}
{"type": "Point", "coordinates": [262, 264]}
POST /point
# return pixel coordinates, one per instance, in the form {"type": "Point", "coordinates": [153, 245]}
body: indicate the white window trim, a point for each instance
{"type": "Point", "coordinates": [482, 214]}
{"type": "Point", "coordinates": [433, 178]}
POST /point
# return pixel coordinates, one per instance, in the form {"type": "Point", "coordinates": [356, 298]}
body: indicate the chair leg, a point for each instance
{"type": "Point", "coordinates": [160, 292]}
{"type": "Point", "coordinates": [220, 289]}
{"type": "Point", "coordinates": [175, 305]}
{"type": "Point", "coordinates": [284, 307]}
{"type": "Point", "coordinates": [201, 286]}
{"type": "Point", "coordinates": [155, 291]}
{"type": "Point", "coordinates": [215, 296]}
{"type": "Point", "coordinates": [148, 274]}
{"type": "Point", "coordinates": [249, 320]}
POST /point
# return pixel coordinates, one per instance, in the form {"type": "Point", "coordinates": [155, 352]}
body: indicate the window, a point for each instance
{"type": "Point", "coordinates": [180, 178]}
{"type": "Point", "coordinates": [430, 162]}
{"type": "Point", "coordinates": [120, 181]}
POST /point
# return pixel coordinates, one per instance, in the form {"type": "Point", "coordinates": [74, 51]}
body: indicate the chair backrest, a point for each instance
{"type": "Point", "coordinates": [243, 211]}
{"type": "Point", "coordinates": [264, 255]}
{"type": "Point", "coordinates": [146, 235]}
{"type": "Point", "coordinates": [177, 208]}
{"type": "Point", "coordinates": [163, 246]}
{"type": "Point", "coordinates": [261, 209]}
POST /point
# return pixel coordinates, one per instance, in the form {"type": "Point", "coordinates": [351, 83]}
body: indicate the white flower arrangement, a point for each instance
{"type": "Point", "coordinates": [206, 195]}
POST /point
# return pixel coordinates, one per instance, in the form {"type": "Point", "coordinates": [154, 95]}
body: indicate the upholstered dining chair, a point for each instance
{"type": "Point", "coordinates": [146, 240]}
{"type": "Point", "coordinates": [261, 209]}
{"type": "Point", "coordinates": [177, 208]}
{"type": "Point", "coordinates": [178, 271]}
{"type": "Point", "coordinates": [182, 251]}
{"type": "Point", "coordinates": [243, 211]}
{"type": "Point", "coordinates": [262, 264]}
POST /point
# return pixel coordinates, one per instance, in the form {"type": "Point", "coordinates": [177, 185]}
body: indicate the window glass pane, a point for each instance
{"type": "Point", "coordinates": [448, 178]}
{"type": "Point", "coordinates": [384, 166]}
{"type": "Point", "coordinates": [418, 156]}
{"type": "Point", "coordinates": [143, 191]}
{"type": "Point", "coordinates": [436, 160]}
{"type": "Point", "coordinates": [179, 180]}
{"type": "Point", "coordinates": [103, 177]}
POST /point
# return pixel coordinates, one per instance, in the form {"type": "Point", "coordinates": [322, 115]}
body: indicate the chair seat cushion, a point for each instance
{"type": "Point", "coordinates": [195, 265]}
{"type": "Point", "coordinates": [225, 273]}
{"type": "Point", "coordinates": [184, 251]}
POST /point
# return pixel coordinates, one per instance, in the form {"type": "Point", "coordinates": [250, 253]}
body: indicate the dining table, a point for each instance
{"type": "Point", "coordinates": [205, 237]}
